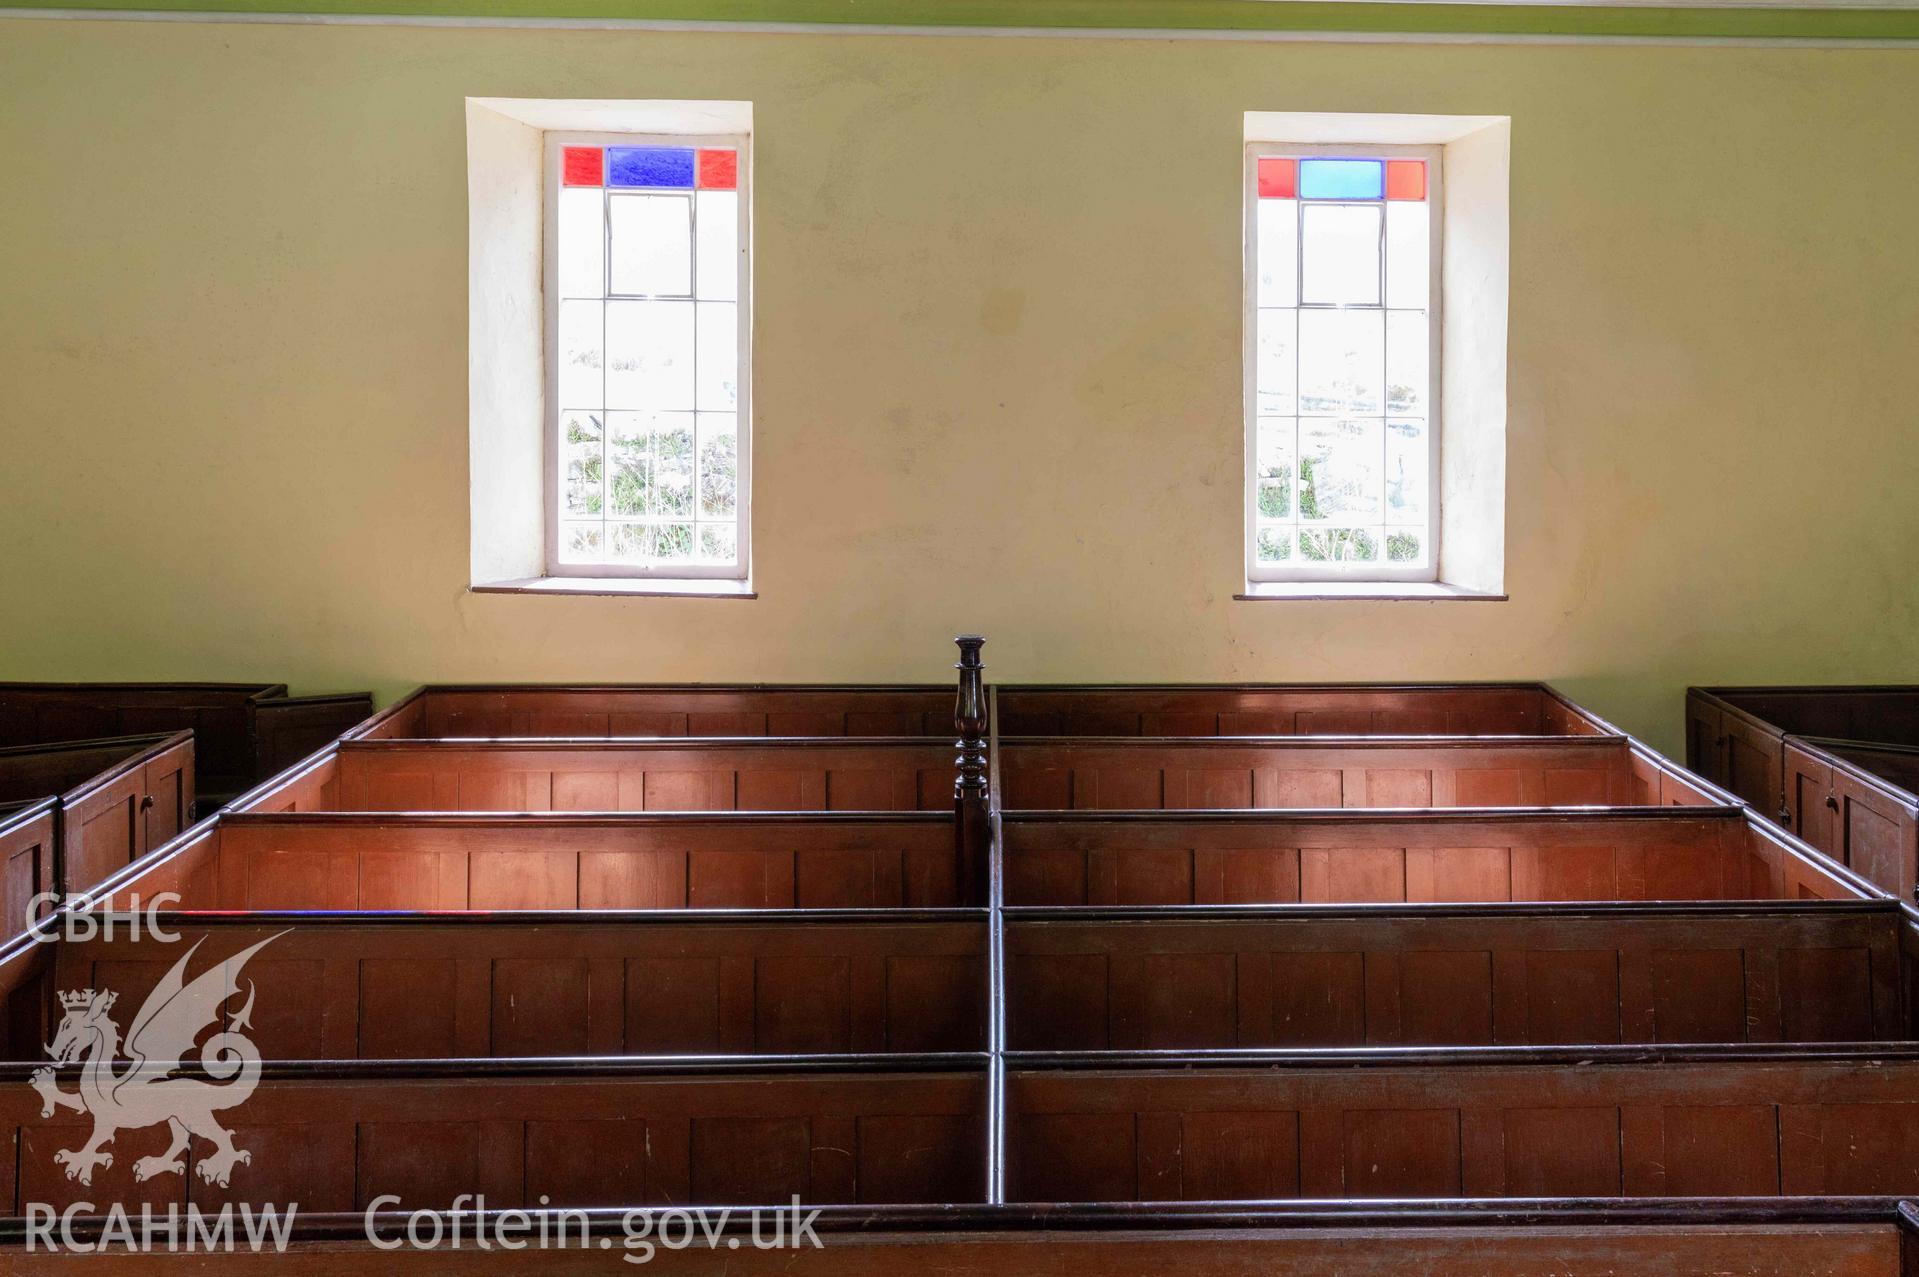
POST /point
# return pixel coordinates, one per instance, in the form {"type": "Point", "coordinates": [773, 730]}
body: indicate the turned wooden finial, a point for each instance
{"type": "Point", "coordinates": [972, 825]}
{"type": "Point", "coordinates": [969, 717]}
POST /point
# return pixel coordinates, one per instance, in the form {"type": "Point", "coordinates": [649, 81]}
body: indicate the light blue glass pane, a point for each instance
{"type": "Point", "coordinates": [1340, 179]}
{"type": "Point", "coordinates": [670, 166]}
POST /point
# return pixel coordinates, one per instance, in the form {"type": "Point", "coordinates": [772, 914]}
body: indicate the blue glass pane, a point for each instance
{"type": "Point", "coordinates": [649, 166]}
{"type": "Point", "coordinates": [1331, 179]}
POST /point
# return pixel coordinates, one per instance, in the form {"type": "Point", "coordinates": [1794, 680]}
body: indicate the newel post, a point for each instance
{"type": "Point", "coordinates": [972, 829]}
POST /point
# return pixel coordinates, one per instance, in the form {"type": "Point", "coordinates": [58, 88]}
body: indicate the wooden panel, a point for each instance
{"type": "Point", "coordinates": [1287, 711]}
{"type": "Point", "coordinates": [671, 711]}
{"type": "Point", "coordinates": [1454, 977]}
{"type": "Point", "coordinates": [1424, 1128]}
{"type": "Point", "coordinates": [738, 1139]}
{"type": "Point", "coordinates": [901, 775]}
{"type": "Point", "coordinates": [426, 862]}
{"type": "Point", "coordinates": [1352, 859]}
{"type": "Point", "coordinates": [1198, 774]}
{"type": "Point", "coordinates": [347, 988]}
{"type": "Point", "coordinates": [1382, 1245]}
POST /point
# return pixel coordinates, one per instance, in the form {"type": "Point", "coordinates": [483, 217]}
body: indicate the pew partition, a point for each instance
{"type": "Point", "coordinates": [1858, 801]}
{"type": "Point", "coordinates": [1524, 1122]}
{"type": "Point", "coordinates": [799, 774]}
{"type": "Point", "coordinates": [1121, 773]}
{"type": "Point", "coordinates": [350, 986]}
{"type": "Point", "coordinates": [115, 799]}
{"type": "Point", "coordinates": [1356, 857]}
{"type": "Point", "coordinates": [1736, 736]}
{"type": "Point", "coordinates": [1454, 975]}
{"type": "Point", "coordinates": [1749, 1237]}
{"type": "Point", "coordinates": [27, 833]}
{"type": "Point", "coordinates": [243, 732]}
{"type": "Point", "coordinates": [1437, 709]}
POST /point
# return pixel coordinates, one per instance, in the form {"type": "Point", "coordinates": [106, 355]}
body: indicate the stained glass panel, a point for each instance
{"type": "Point", "coordinates": [1341, 282]}
{"type": "Point", "coordinates": [647, 378]}
{"type": "Point", "coordinates": [581, 166]}
{"type": "Point", "coordinates": [719, 170]}
{"type": "Point", "coordinates": [1341, 179]}
{"type": "Point", "coordinates": [1405, 179]}
{"type": "Point", "coordinates": [669, 167]}
{"type": "Point", "coordinates": [1278, 179]}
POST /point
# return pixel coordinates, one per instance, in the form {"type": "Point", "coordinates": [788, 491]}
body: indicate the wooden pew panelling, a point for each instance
{"type": "Point", "coordinates": [1418, 857]}
{"type": "Point", "coordinates": [365, 987]}
{"type": "Point", "coordinates": [1528, 709]}
{"type": "Point", "coordinates": [26, 858]}
{"type": "Point", "coordinates": [1776, 1239]}
{"type": "Point", "coordinates": [704, 775]}
{"type": "Point", "coordinates": [243, 732]}
{"type": "Point", "coordinates": [117, 799]}
{"type": "Point", "coordinates": [1296, 772]}
{"type": "Point", "coordinates": [589, 1133]}
{"type": "Point", "coordinates": [1053, 710]}
{"type": "Point", "coordinates": [665, 710]}
{"type": "Point", "coordinates": [1736, 736]}
{"type": "Point", "coordinates": [1453, 976]}
{"type": "Point", "coordinates": [1858, 803]}
{"type": "Point", "coordinates": [1595, 1122]}
{"type": "Point", "coordinates": [379, 861]}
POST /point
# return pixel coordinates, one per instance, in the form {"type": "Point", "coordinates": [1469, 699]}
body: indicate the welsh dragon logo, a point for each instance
{"type": "Point", "coordinates": [145, 1092]}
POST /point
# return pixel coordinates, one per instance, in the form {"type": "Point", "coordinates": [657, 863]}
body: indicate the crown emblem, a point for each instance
{"type": "Point", "coordinates": [80, 999]}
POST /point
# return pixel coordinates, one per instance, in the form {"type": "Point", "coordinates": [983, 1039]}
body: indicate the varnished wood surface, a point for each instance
{"type": "Point", "coordinates": [243, 732]}
{"type": "Point", "coordinates": [334, 1137]}
{"type": "Point", "coordinates": [1525, 1121]}
{"type": "Point", "coordinates": [1461, 975]}
{"type": "Point", "coordinates": [715, 774]}
{"type": "Point", "coordinates": [1855, 801]}
{"type": "Point", "coordinates": [115, 799]}
{"type": "Point", "coordinates": [1416, 856]}
{"type": "Point", "coordinates": [1384, 1246]}
{"type": "Point", "coordinates": [368, 986]}
{"type": "Point", "coordinates": [1052, 709]}
{"type": "Point", "coordinates": [553, 861]}
{"type": "Point", "coordinates": [1313, 772]}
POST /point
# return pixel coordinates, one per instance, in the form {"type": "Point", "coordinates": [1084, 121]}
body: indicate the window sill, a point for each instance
{"type": "Point", "coordinates": [622, 587]}
{"type": "Point", "coordinates": [1377, 591]}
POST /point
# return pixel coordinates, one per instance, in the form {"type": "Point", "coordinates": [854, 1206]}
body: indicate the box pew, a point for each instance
{"type": "Point", "coordinates": [1736, 735]}
{"type": "Point", "coordinates": [386, 986]}
{"type": "Point", "coordinates": [553, 861]}
{"type": "Point", "coordinates": [1329, 709]}
{"type": "Point", "coordinates": [1148, 773]}
{"type": "Point", "coordinates": [1453, 975]}
{"type": "Point", "coordinates": [1858, 1237]}
{"type": "Point", "coordinates": [334, 1136]}
{"type": "Point", "coordinates": [1529, 709]}
{"type": "Point", "coordinates": [495, 711]}
{"type": "Point", "coordinates": [1514, 1122]}
{"type": "Point", "coordinates": [244, 732]}
{"type": "Point", "coordinates": [713, 774]}
{"type": "Point", "coordinates": [1858, 802]}
{"type": "Point", "coordinates": [1417, 857]}
{"type": "Point", "coordinates": [27, 832]}
{"type": "Point", "coordinates": [116, 799]}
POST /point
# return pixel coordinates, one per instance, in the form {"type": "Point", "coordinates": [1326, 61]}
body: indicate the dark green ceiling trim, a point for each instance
{"type": "Point", "coordinates": [1301, 16]}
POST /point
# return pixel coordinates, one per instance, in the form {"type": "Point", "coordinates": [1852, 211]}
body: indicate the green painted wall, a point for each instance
{"type": "Point", "coordinates": [998, 360]}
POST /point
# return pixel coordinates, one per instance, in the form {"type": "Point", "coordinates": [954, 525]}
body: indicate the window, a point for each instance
{"type": "Point", "coordinates": [1342, 420]}
{"type": "Point", "coordinates": [647, 452]}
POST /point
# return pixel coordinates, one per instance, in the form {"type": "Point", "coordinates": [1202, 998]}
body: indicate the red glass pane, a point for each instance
{"type": "Point", "coordinates": [1278, 179]}
{"type": "Point", "coordinates": [582, 166]}
{"type": "Point", "coordinates": [719, 170]}
{"type": "Point", "coordinates": [1405, 179]}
